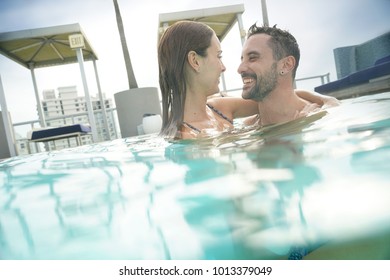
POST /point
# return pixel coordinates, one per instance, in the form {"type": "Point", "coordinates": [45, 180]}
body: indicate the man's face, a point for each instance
{"type": "Point", "coordinates": [258, 68]}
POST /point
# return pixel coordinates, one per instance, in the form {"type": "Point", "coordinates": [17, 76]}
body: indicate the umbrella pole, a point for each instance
{"type": "Point", "coordinates": [87, 97]}
{"type": "Point", "coordinates": [241, 28]}
{"type": "Point", "coordinates": [42, 119]}
{"type": "Point", "coordinates": [102, 102]}
{"type": "Point", "coordinates": [7, 122]}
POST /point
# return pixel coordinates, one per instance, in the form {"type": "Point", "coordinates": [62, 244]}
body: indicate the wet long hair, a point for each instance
{"type": "Point", "coordinates": [175, 44]}
{"type": "Point", "coordinates": [282, 42]}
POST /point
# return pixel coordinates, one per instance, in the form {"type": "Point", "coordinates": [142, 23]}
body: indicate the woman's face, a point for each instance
{"type": "Point", "coordinates": [212, 67]}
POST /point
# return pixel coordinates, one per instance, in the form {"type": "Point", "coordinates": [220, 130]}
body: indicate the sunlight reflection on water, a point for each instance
{"type": "Point", "coordinates": [243, 195]}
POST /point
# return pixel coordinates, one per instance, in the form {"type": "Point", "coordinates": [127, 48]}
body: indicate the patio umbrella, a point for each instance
{"type": "Point", "coordinates": [50, 46]}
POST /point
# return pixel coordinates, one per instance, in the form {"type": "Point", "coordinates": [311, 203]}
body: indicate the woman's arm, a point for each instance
{"type": "Point", "coordinates": [235, 107]}
{"type": "Point", "coordinates": [315, 97]}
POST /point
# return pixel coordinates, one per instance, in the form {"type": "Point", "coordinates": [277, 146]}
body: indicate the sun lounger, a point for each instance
{"type": "Point", "coordinates": [370, 80]}
{"type": "Point", "coordinates": [63, 132]}
{"type": "Point", "coordinates": [361, 69]}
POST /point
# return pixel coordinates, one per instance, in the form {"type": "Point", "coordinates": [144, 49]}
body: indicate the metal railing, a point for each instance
{"type": "Point", "coordinates": [24, 145]}
{"type": "Point", "coordinates": [322, 77]}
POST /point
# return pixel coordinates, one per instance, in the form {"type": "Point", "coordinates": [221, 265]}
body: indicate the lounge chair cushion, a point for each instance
{"type": "Point", "coordinates": [380, 69]}
{"type": "Point", "coordinates": [59, 132]}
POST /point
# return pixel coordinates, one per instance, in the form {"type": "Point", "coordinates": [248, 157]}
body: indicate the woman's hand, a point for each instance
{"type": "Point", "coordinates": [325, 101]}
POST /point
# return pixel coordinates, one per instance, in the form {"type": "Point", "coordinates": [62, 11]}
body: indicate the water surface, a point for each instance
{"type": "Point", "coordinates": [319, 183]}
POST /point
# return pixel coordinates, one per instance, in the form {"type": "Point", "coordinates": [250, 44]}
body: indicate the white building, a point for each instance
{"type": "Point", "coordinates": [67, 108]}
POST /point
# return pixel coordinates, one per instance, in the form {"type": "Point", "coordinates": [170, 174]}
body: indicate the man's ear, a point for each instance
{"type": "Point", "coordinates": [288, 64]}
{"type": "Point", "coordinates": [193, 61]}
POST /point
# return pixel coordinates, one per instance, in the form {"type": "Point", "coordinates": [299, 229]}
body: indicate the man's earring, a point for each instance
{"type": "Point", "coordinates": [282, 73]}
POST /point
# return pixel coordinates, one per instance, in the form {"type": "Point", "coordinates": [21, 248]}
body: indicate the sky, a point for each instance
{"type": "Point", "coordinates": [318, 26]}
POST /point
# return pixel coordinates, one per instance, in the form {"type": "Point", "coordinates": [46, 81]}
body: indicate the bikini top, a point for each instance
{"type": "Point", "coordinates": [216, 111]}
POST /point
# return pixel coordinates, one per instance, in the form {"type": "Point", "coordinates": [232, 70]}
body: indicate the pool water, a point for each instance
{"type": "Point", "coordinates": [320, 184]}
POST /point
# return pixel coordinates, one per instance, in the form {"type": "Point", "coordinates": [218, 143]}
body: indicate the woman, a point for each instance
{"type": "Point", "coordinates": [189, 57]}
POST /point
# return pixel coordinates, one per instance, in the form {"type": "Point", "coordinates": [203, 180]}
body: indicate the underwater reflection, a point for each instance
{"type": "Point", "coordinates": [262, 178]}
{"type": "Point", "coordinates": [315, 186]}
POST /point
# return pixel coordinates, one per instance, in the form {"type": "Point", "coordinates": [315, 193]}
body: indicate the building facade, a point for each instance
{"type": "Point", "coordinates": [67, 107]}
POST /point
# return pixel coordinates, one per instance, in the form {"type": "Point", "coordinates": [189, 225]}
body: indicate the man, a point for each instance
{"type": "Point", "coordinates": [269, 61]}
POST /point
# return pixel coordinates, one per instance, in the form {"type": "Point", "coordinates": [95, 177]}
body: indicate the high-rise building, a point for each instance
{"type": "Point", "coordinates": [67, 108]}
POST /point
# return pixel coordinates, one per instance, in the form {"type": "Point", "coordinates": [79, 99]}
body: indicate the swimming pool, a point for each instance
{"type": "Point", "coordinates": [319, 183]}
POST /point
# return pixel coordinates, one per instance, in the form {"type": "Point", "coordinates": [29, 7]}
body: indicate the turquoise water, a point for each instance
{"type": "Point", "coordinates": [320, 183]}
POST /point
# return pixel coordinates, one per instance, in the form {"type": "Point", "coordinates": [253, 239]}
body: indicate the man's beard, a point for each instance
{"type": "Point", "coordinates": [264, 85]}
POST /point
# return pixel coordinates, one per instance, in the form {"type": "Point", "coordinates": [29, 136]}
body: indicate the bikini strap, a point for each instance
{"type": "Point", "coordinates": [192, 127]}
{"type": "Point", "coordinates": [219, 113]}
{"type": "Point", "coordinates": [216, 111]}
